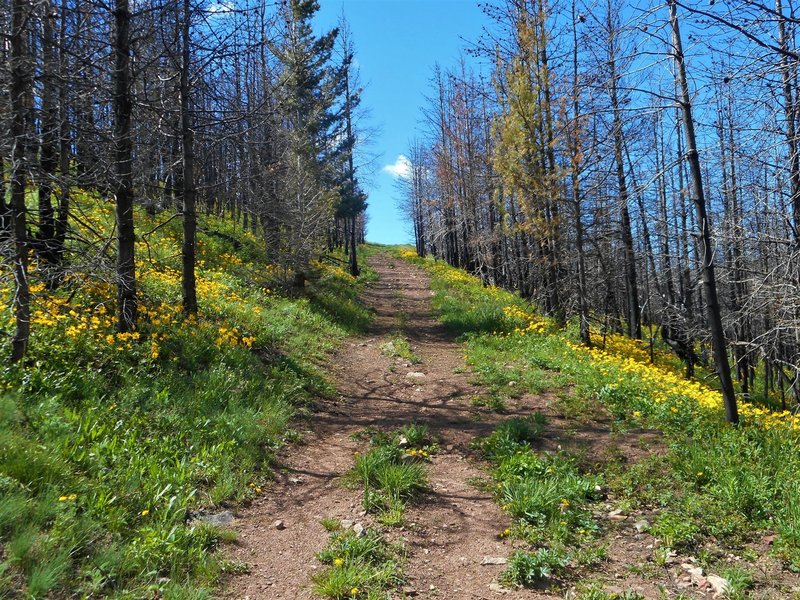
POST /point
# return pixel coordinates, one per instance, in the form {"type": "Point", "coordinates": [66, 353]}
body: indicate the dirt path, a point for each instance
{"type": "Point", "coordinates": [452, 529]}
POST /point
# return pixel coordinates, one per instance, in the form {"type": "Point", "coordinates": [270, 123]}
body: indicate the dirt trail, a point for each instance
{"type": "Point", "coordinates": [449, 531]}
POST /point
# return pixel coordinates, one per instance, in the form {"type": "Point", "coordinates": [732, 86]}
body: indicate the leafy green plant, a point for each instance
{"type": "Point", "coordinates": [399, 347]}
{"type": "Point", "coordinates": [357, 567]}
{"type": "Point", "coordinates": [109, 441]}
{"type": "Point", "coordinates": [530, 568]}
{"type": "Point", "coordinates": [390, 475]}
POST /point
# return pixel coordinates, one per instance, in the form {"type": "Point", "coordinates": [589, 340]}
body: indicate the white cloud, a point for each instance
{"type": "Point", "coordinates": [221, 7]}
{"type": "Point", "coordinates": [401, 169]}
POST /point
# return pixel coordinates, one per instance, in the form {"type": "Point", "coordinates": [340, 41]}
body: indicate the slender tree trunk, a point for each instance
{"type": "Point", "coordinates": [790, 116]}
{"type": "Point", "coordinates": [48, 155]}
{"type": "Point", "coordinates": [633, 313]}
{"type": "Point", "coordinates": [583, 305]}
{"type": "Point", "coordinates": [64, 138]}
{"type": "Point", "coordinates": [123, 158]}
{"type": "Point", "coordinates": [709, 277]}
{"type": "Point", "coordinates": [19, 89]}
{"type": "Point", "coordinates": [188, 192]}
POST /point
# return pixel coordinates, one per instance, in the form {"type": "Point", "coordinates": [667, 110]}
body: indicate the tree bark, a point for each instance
{"type": "Point", "coordinates": [123, 163]}
{"type": "Point", "coordinates": [20, 90]}
{"type": "Point", "coordinates": [188, 192]}
{"type": "Point", "coordinates": [709, 277]}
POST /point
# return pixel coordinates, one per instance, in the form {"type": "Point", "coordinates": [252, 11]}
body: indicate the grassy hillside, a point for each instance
{"type": "Point", "coordinates": [110, 443]}
{"type": "Point", "coordinates": [714, 488]}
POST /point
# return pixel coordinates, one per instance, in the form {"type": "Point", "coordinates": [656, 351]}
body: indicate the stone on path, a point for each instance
{"type": "Point", "coordinates": [494, 560]}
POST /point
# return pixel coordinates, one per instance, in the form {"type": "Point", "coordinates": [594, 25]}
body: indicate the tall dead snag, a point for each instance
{"type": "Point", "coordinates": [188, 193]}
{"type": "Point", "coordinates": [576, 159]}
{"type": "Point", "coordinates": [20, 90]}
{"type": "Point", "coordinates": [718, 342]}
{"type": "Point", "coordinates": [633, 312]}
{"type": "Point", "coordinates": [790, 116]}
{"type": "Point", "coordinates": [123, 163]}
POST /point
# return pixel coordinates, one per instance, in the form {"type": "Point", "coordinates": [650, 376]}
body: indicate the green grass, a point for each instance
{"type": "Point", "coordinates": [398, 347]}
{"type": "Point", "coordinates": [393, 471]}
{"type": "Point", "coordinates": [709, 482]}
{"type": "Point", "coordinates": [364, 567]}
{"type": "Point", "coordinates": [108, 443]}
{"type": "Point", "coordinates": [530, 568]}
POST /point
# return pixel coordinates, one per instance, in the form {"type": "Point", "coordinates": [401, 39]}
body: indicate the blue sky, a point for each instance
{"type": "Point", "coordinates": [397, 44]}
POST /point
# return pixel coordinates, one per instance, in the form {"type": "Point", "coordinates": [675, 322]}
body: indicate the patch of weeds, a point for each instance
{"type": "Point", "coordinates": [391, 475]}
{"type": "Point", "coordinates": [739, 581]}
{"type": "Point", "coordinates": [510, 436]}
{"type": "Point", "coordinates": [493, 402]}
{"type": "Point", "coordinates": [530, 568]}
{"type": "Point", "coordinates": [418, 436]}
{"type": "Point", "coordinates": [358, 567]}
{"type": "Point", "coordinates": [234, 567]}
{"type": "Point", "coordinates": [330, 524]}
{"type": "Point", "coordinates": [399, 347]}
{"type": "Point", "coordinates": [548, 496]}
{"type": "Point", "coordinates": [675, 531]}
{"type": "Point", "coordinates": [590, 556]}
{"type": "Point", "coordinates": [644, 570]}
{"type": "Point", "coordinates": [595, 591]}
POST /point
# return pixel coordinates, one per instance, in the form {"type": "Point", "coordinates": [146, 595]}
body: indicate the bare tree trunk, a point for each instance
{"type": "Point", "coordinates": [188, 191]}
{"type": "Point", "coordinates": [633, 311]}
{"type": "Point", "coordinates": [20, 89]}
{"type": "Point", "coordinates": [790, 115]}
{"type": "Point", "coordinates": [64, 139]}
{"type": "Point", "coordinates": [583, 305]}
{"type": "Point", "coordinates": [123, 159]}
{"type": "Point", "coordinates": [709, 278]}
{"type": "Point", "coordinates": [48, 159]}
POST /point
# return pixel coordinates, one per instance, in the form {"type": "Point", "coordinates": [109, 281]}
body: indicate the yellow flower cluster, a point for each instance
{"type": "Point", "coordinates": [231, 337]}
{"type": "Point", "coordinates": [535, 323]}
{"type": "Point", "coordinates": [407, 254]}
{"type": "Point", "coordinates": [622, 360]}
{"type": "Point", "coordinates": [418, 454]}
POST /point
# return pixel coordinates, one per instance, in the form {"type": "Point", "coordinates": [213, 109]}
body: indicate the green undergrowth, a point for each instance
{"type": "Point", "coordinates": [393, 471]}
{"type": "Point", "coordinates": [358, 566]}
{"type": "Point", "coordinates": [549, 498]}
{"type": "Point", "coordinates": [399, 347]}
{"type": "Point", "coordinates": [712, 486]}
{"type": "Point", "coordinates": [112, 444]}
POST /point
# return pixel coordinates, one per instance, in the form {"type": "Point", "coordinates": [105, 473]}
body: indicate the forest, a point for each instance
{"type": "Point", "coordinates": [581, 381]}
{"type": "Point", "coordinates": [616, 171]}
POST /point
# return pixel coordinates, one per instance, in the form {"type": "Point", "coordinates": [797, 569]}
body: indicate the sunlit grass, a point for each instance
{"type": "Point", "coordinates": [108, 441]}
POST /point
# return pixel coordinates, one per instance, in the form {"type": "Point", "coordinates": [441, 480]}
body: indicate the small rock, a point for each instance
{"type": "Point", "coordinates": [720, 585]}
{"type": "Point", "coordinates": [512, 383]}
{"type": "Point", "coordinates": [497, 588]}
{"type": "Point", "coordinates": [449, 447]}
{"type": "Point", "coordinates": [494, 560]}
{"type": "Point", "coordinates": [415, 374]}
{"type": "Point", "coordinates": [642, 525]}
{"type": "Point", "coordinates": [279, 525]}
{"type": "Point", "coordinates": [360, 530]}
{"type": "Point", "coordinates": [617, 515]}
{"type": "Point", "coordinates": [222, 518]}
{"type": "Point", "coordinates": [768, 539]}
{"type": "Point", "coordinates": [695, 573]}
{"type": "Point", "coordinates": [409, 591]}
{"type": "Point", "coordinates": [346, 523]}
